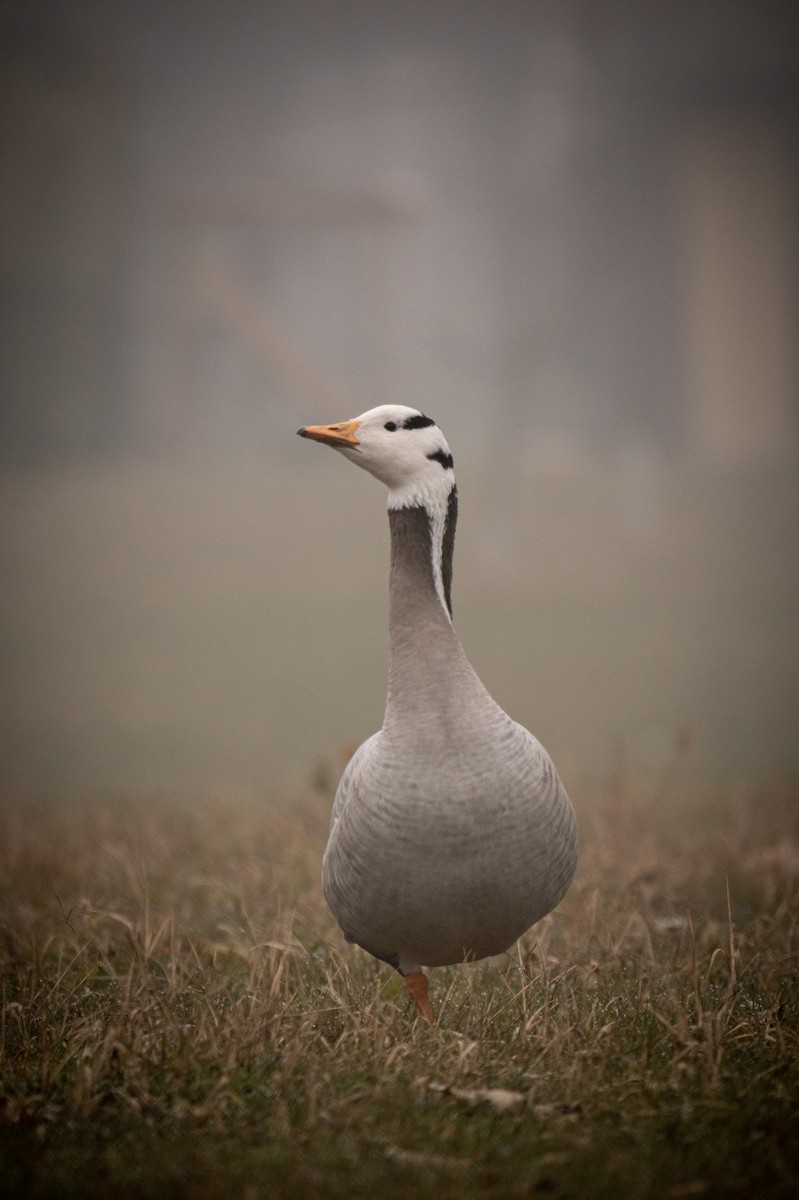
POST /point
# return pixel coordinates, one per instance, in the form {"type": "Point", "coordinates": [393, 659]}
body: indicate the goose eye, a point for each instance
{"type": "Point", "coordinates": [390, 426]}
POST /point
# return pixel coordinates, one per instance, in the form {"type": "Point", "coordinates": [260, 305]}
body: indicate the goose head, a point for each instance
{"type": "Point", "coordinates": [400, 446]}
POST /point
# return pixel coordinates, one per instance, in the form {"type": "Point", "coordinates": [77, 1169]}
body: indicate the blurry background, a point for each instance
{"type": "Point", "coordinates": [567, 229]}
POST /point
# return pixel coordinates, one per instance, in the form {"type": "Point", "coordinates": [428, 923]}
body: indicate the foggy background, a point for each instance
{"type": "Point", "coordinates": [566, 230]}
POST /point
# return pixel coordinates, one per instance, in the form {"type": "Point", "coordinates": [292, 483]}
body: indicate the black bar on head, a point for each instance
{"type": "Point", "coordinates": [441, 456]}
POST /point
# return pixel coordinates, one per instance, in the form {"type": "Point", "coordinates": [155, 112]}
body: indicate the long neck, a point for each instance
{"type": "Point", "coordinates": [422, 548]}
{"type": "Point", "coordinates": [421, 638]}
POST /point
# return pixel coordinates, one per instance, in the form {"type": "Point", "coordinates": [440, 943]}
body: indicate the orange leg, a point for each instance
{"type": "Point", "coordinates": [417, 984]}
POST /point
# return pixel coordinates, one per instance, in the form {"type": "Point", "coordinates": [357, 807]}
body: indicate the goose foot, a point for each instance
{"type": "Point", "coordinates": [417, 984]}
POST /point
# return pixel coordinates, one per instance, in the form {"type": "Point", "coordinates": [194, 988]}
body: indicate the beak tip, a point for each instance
{"type": "Point", "coordinates": [340, 436]}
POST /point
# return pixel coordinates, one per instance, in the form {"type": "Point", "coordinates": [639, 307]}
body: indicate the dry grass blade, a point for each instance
{"type": "Point", "coordinates": [180, 1016]}
{"type": "Point", "coordinates": [500, 1099]}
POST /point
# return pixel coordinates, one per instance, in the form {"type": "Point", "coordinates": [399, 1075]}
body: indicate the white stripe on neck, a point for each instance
{"type": "Point", "coordinates": [435, 500]}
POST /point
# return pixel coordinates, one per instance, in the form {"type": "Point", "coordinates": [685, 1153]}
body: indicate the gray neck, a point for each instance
{"type": "Point", "coordinates": [415, 554]}
{"type": "Point", "coordinates": [421, 638]}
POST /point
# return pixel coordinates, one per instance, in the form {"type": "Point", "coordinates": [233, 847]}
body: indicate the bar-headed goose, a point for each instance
{"type": "Point", "coordinates": [451, 833]}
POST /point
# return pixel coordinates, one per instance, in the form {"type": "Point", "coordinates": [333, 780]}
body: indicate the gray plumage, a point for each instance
{"type": "Point", "coordinates": [451, 833]}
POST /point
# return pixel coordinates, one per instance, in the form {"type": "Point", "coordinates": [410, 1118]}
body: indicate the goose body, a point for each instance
{"type": "Point", "coordinates": [451, 833]}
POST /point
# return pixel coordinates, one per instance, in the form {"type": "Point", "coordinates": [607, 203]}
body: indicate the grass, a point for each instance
{"type": "Point", "coordinates": [180, 1017]}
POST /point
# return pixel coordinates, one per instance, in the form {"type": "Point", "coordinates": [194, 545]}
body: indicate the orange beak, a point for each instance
{"type": "Point", "coordinates": [342, 434]}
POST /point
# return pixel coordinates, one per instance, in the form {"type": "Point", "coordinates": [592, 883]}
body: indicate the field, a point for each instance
{"type": "Point", "coordinates": [180, 1016]}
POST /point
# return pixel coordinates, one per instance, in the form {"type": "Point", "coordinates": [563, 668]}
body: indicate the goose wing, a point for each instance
{"type": "Point", "coordinates": [350, 772]}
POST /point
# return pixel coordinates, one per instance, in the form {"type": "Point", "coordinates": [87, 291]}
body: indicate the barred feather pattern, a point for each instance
{"type": "Point", "coordinates": [451, 833]}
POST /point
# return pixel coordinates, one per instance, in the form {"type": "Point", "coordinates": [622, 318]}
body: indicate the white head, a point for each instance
{"type": "Point", "coordinates": [399, 446]}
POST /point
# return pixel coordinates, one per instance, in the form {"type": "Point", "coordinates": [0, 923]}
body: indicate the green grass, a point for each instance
{"type": "Point", "coordinates": [180, 1016]}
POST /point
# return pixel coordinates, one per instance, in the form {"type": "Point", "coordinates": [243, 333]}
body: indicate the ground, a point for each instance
{"type": "Point", "coordinates": [181, 1017]}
